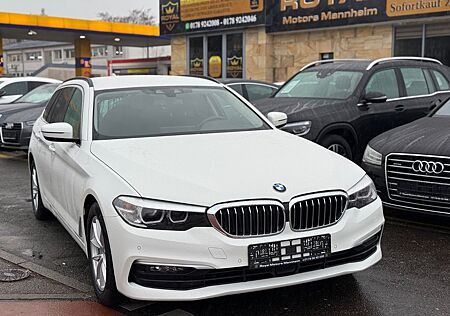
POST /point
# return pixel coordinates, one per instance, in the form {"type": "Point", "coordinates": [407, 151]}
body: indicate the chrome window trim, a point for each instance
{"type": "Point", "coordinates": [415, 96]}
{"type": "Point", "coordinates": [387, 184]}
{"type": "Point", "coordinates": [211, 214]}
{"type": "Point", "coordinates": [313, 196]}
{"type": "Point", "coordinates": [251, 83]}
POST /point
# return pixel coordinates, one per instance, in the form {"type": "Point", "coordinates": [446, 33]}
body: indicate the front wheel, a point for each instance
{"type": "Point", "coordinates": [99, 252]}
{"type": "Point", "coordinates": [339, 145]}
{"type": "Point", "coordinates": [39, 210]}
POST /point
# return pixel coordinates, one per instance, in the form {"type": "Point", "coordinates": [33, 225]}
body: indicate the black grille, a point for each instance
{"type": "Point", "coordinates": [193, 278]}
{"type": "Point", "coordinates": [421, 189]}
{"type": "Point", "coordinates": [11, 132]}
{"type": "Point", "coordinates": [251, 220]}
{"type": "Point", "coordinates": [317, 212]}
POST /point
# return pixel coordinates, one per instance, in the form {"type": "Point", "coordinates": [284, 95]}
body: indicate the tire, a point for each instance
{"type": "Point", "coordinates": [339, 145]}
{"type": "Point", "coordinates": [100, 260]}
{"type": "Point", "coordinates": [39, 210]}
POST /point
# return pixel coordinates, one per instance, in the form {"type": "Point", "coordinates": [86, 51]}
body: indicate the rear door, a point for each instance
{"type": "Point", "coordinates": [418, 93]}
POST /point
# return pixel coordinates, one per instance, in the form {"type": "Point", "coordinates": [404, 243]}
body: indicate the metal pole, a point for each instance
{"type": "Point", "coordinates": [424, 34]}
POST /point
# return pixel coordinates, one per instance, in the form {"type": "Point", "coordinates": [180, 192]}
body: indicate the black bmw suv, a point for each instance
{"type": "Point", "coordinates": [343, 104]}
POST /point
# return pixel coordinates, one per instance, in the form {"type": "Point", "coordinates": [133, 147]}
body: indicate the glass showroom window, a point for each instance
{"type": "Point", "coordinates": [217, 56]}
{"type": "Point", "coordinates": [196, 56]}
{"type": "Point", "coordinates": [424, 40]}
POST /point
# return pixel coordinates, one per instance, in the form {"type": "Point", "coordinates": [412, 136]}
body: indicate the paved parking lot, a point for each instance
{"type": "Point", "coordinates": [412, 279]}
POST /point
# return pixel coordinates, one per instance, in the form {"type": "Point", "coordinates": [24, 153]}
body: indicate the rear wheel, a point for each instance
{"type": "Point", "coordinates": [39, 210]}
{"type": "Point", "coordinates": [99, 252]}
{"type": "Point", "coordinates": [339, 145]}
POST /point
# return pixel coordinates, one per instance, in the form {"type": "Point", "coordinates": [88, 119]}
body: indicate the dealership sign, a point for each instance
{"type": "Point", "coordinates": [186, 16]}
{"type": "Point", "coordinates": [289, 15]}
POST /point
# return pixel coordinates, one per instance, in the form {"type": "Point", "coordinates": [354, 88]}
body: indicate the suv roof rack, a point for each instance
{"type": "Point", "coordinates": [203, 77]}
{"type": "Point", "coordinates": [329, 61]}
{"type": "Point", "coordinates": [381, 60]}
{"type": "Point", "coordinates": [87, 79]}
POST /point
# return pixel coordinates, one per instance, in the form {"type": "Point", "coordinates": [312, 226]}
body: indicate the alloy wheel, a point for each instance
{"type": "Point", "coordinates": [98, 254]}
{"type": "Point", "coordinates": [339, 149]}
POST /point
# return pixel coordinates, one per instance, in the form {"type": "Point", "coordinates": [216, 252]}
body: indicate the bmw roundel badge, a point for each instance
{"type": "Point", "coordinates": [279, 187]}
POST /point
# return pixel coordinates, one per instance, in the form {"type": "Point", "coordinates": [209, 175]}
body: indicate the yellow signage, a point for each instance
{"type": "Point", "coordinates": [205, 9]}
{"type": "Point", "coordinates": [215, 67]}
{"type": "Point", "coordinates": [410, 7]}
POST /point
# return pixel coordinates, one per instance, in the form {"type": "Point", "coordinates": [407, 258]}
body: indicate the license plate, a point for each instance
{"type": "Point", "coordinates": [289, 251]}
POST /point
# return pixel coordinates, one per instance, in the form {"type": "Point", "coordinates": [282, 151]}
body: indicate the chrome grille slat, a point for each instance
{"type": "Point", "coordinates": [250, 220]}
{"type": "Point", "coordinates": [318, 211]}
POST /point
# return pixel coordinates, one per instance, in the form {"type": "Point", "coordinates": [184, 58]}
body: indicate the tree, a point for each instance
{"type": "Point", "coordinates": [136, 16]}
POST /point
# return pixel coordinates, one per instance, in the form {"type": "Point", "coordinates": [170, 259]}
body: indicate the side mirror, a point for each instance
{"type": "Point", "coordinates": [59, 132]}
{"type": "Point", "coordinates": [279, 119]}
{"type": "Point", "coordinates": [375, 97]}
{"type": "Point", "coordinates": [2, 93]}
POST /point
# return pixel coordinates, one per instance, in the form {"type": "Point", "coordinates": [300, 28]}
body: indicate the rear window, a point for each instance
{"type": "Point", "coordinates": [442, 82]}
{"type": "Point", "coordinates": [415, 81]}
{"type": "Point", "coordinates": [160, 111]}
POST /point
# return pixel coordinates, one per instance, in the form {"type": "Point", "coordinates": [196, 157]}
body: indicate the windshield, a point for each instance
{"type": "Point", "coordinates": [323, 84]}
{"type": "Point", "coordinates": [444, 110]}
{"type": "Point", "coordinates": [38, 95]}
{"type": "Point", "coordinates": [158, 111]}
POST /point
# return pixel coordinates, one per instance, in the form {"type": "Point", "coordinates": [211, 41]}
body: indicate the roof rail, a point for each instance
{"type": "Point", "coordinates": [381, 60]}
{"type": "Point", "coordinates": [87, 79]}
{"type": "Point", "coordinates": [329, 61]}
{"type": "Point", "coordinates": [203, 77]}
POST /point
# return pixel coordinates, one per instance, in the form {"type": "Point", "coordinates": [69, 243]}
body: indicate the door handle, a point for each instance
{"type": "Point", "coordinates": [52, 148]}
{"type": "Point", "coordinates": [400, 108]}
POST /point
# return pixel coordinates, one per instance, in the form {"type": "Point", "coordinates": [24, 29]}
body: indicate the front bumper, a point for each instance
{"type": "Point", "coordinates": [21, 143]}
{"type": "Point", "coordinates": [355, 246]}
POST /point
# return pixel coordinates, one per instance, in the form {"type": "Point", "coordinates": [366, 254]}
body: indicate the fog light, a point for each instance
{"type": "Point", "coordinates": [157, 269]}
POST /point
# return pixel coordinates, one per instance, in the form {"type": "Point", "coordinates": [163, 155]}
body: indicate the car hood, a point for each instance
{"type": "Point", "coordinates": [23, 115]}
{"type": "Point", "coordinates": [206, 169]}
{"type": "Point", "coordinates": [293, 106]}
{"type": "Point", "coordinates": [428, 136]}
{"type": "Point", "coordinates": [9, 109]}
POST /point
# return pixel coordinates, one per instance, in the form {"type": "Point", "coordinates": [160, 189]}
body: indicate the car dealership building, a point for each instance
{"type": "Point", "coordinates": [271, 40]}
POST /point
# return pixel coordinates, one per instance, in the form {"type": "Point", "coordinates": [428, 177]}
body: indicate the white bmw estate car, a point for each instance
{"type": "Point", "coordinates": [177, 188]}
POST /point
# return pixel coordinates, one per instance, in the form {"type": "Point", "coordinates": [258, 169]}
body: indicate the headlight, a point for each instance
{"type": "Point", "coordinates": [298, 128]}
{"type": "Point", "coordinates": [371, 156]}
{"type": "Point", "coordinates": [29, 123]}
{"type": "Point", "coordinates": [362, 194]}
{"type": "Point", "coordinates": [159, 215]}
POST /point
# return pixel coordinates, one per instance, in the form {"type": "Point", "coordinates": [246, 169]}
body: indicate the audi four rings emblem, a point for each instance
{"type": "Point", "coordinates": [428, 166]}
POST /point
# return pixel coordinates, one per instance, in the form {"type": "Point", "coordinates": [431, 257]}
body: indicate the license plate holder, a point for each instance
{"type": "Point", "coordinates": [279, 253]}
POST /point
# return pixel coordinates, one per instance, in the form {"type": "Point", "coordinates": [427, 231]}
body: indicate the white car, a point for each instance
{"type": "Point", "coordinates": [12, 88]}
{"type": "Point", "coordinates": [177, 188]}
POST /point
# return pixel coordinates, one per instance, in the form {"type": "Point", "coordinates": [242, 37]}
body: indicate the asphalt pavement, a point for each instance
{"type": "Point", "coordinates": [412, 279]}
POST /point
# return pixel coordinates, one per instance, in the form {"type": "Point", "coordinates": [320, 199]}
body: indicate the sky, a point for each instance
{"type": "Point", "coordinates": [81, 9]}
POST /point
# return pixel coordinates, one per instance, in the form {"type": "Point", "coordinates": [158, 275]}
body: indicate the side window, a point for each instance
{"type": "Point", "coordinates": [59, 108]}
{"type": "Point", "coordinates": [50, 104]}
{"type": "Point", "coordinates": [442, 82]}
{"type": "Point", "coordinates": [415, 81]}
{"type": "Point", "coordinates": [73, 113]}
{"type": "Point", "coordinates": [257, 92]}
{"type": "Point", "coordinates": [429, 80]}
{"type": "Point", "coordinates": [385, 82]}
{"type": "Point", "coordinates": [237, 88]}
{"type": "Point", "coordinates": [16, 88]}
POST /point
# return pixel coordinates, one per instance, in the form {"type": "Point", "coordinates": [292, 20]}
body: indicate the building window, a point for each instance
{"type": "Point", "coordinates": [118, 50]}
{"type": "Point", "coordinates": [424, 40]}
{"type": "Point", "coordinates": [235, 62]}
{"type": "Point", "coordinates": [99, 51]}
{"type": "Point", "coordinates": [15, 58]}
{"type": "Point", "coordinates": [326, 56]}
{"type": "Point", "coordinates": [57, 54]}
{"type": "Point", "coordinates": [196, 56]}
{"type": "Point", "coordinates": [33, 56]}
{"type": "Point", "coordinates": [217, 56]}
{"type": "Point", "coordinates": [69, 53]}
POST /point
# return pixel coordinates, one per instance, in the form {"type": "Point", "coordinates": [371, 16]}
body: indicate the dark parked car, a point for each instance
{"type": "Point", "coordinates": [342, 104]}
{"type": "Point", "coordinates": [17, 118]}
{"type": "Point", "coordinates": [252, 90]}
{"type": "Point", "coordinates": [410, 164]}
